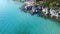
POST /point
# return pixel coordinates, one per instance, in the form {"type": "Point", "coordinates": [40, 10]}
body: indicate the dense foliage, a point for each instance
{"type": "Point", "coordinates": [48, 3]}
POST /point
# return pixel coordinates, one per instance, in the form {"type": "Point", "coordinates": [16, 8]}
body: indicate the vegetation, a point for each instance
{"type": "Point", "coordinates": [48, 3]}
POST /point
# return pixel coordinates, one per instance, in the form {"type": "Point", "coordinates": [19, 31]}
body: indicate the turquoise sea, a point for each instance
{"type": "Point", "coordinates": [15, 21]}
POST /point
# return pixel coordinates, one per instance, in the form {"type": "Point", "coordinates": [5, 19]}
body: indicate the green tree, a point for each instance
{"type": "Point", "coordinates": [50, 2]}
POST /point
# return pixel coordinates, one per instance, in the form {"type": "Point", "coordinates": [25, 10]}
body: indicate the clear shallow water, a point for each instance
{"type": "Point", "coordinates": [14, 21]}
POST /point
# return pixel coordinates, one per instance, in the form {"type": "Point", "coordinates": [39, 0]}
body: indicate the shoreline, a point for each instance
{"type": "Point", "coordinates": [31, 12]}
{"type": "Point", "coordinates": [54, 17]}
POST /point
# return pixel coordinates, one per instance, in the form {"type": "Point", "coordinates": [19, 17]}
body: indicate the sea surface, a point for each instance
{"type": "Point", "coordinates": [14, 21]}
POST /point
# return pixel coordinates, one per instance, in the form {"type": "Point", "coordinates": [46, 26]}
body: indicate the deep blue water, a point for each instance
{"type": "Point", "coordinates": [15, 21]}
